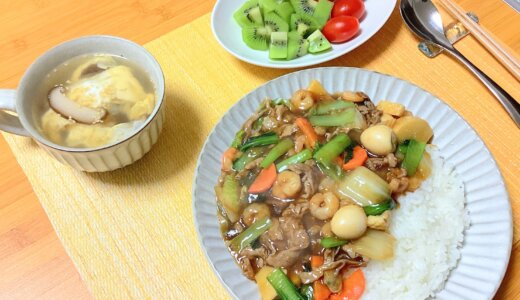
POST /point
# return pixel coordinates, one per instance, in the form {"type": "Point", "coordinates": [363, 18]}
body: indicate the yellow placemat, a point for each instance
{"type": "Point", "coordinates": [130, 232]}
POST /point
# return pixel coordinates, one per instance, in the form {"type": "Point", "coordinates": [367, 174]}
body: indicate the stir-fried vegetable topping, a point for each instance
{"type": "Point", "coordinates": [249, 235]}
{"type": "Point", "coordinates": [338, 119]}
{"type": "Point", "coordinates": [261, 140]}
{"type": "Point", "coordinates": [308, 130]}
{"type": "Point", "coordinates": [333, 106]}
{"type": "Point", "coordinates": [328, 152]}
{"type": "Point", "coordinates": [316, 176]}
{"type": "Point", "coordinates": [331, 242]}
{"type": "Point", "coordinates": [279, 150]}
{"type": "Point", "coordinates": [295, 159]}
{"type": "Point", "coordinates": [285, 289]}
{"type": "Point", "coordinates": [230, 197]}
{"type": "Point", "coordinates": [246, 158]}
{"type": "Point", "coordinates": [377, 209]}
{"type": "Point", "coordinates": [359, 156]}
{"type": "Point", "coordinates": [264, 181]}
{"type": "Point", "coordinates": [364, 187]}
{"type": "Point", "coordinates": [413, 156]}
{"type": "Point", "coordinates": [353, 287]}
{"type": "Point", "coordinates": [238, 139]}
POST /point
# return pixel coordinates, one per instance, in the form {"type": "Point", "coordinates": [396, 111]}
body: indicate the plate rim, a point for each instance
{"type": "Point", "coordinates": [293, 65]}
{"type": "Point", "coordinates": [346, 69]}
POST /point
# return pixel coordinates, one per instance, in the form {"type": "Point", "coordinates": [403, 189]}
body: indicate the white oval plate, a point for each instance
{"type": "Point", "coordinates": [487, 243]}
{"type": "Point", "coordinates": [229, 35]}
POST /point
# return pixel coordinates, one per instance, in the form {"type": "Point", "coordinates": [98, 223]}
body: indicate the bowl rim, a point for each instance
{"type": "Point", "coordinates": [273, 64]}
{"type": "Point", "coordinates": [159, 91]}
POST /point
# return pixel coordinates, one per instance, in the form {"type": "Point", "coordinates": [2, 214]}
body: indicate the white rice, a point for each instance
{"type": "Point", "coordinates": [429, 228]}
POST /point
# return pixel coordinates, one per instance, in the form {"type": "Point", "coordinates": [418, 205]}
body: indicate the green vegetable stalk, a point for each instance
{"type": "Point", "coordinates": [343, 118]}
{"type": "Point", "coordinates": [261, 140]}
{"type": "Point", "coordinates": [249, 235]}
{"type": "Point", "coordinates": [331, 242]}
{"type": "Point", "coordinates": [301, 157]}
{"type": "Point", "coordinates": [337, 105]}
{"type": "Point", "coordinates": [283, 286]}
{"type": "Point", "coordinates": [279, 150]}
{"type": "Point", "coordinates": [229, 197]}
{"type": "Point", "coordinates": [332, 149]}
{"type": "Point", "coordinates": [246, 158]}
{"type": "Point", "coordinates": [377, 209]}
{"type": "Point", "coordinates": [238, 139]}
{"type": "Point", "coordinates": [413, 156]}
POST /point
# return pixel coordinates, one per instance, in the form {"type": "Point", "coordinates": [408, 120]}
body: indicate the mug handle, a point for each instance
{"type": "Point", "coordinates": [9, 122]}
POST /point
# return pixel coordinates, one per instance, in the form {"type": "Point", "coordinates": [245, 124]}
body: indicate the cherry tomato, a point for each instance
{"type": "Point", "coordinates": [355, 8]}
{"type": "Point", "coordinates": [340, 29]}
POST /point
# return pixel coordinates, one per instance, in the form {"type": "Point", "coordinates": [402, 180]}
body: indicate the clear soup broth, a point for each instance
{"type": "Point", "coordinates": [94, 100]}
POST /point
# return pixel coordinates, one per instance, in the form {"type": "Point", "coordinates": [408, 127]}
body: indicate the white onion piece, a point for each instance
{"type": "Point", "coordinates": [70, 109]}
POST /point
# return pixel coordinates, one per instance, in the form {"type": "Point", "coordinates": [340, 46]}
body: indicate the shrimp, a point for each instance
{"type": "Point", "coordinates": [255, 212]}
{"type": "Point", "coordinates": [302, 100]}
{"type": "Point", "coordinates": [287, 185]}
{"type": "Point", "coordinates": [324, 206]}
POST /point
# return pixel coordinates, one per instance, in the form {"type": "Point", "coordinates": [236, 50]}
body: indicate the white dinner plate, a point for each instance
{"type": "Point", "coordinates": [487, 243]}
{"type": "Point", "coordinates": [229, 35]}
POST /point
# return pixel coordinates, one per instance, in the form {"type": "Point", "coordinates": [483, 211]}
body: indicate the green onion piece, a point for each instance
{"type": "Point", "coordinates": [343, 118]}
{"type": "Point", "coordinates": [332, 149]}
{"type": "Point", "coordinates": [283, 286]}
{"type": "Point", "coordinates": [332, 170]}
{"type": "Point", "coordinates": [280, 149]}
{"type": "Point", "coordinates": [413, 156]}
{"type": "Point", "coordinates": [238, 139]}
{"type": "Point", "coordinates": [307, 292]}
{"type": "Point", "coordinates": [303, 156]}
{"type": "Point", "coordinates": [331, 242]}
{"type": "Point", "coordinates": [246, 158]}
{"type": "Point", "coordinates": [250, 235]}
{"type": "Point", "coordinates": [377, 209]}
{"type": "Point", "coordinates": [261, 140]}
{"type": "Point", "coordinates": [337, 105]}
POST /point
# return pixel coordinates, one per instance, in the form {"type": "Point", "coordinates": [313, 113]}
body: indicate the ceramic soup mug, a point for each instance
{"type": "Point", "coordinates": [22, 102]}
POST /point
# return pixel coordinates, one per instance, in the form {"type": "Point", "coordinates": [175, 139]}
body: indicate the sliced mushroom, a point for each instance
{"type": "Point", "coordinates": [70, 109]}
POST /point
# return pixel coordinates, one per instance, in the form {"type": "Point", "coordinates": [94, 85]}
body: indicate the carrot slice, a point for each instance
{"type": "Point", "coordinates": [264, 181]}
{"type": "Point", "coordinates": [227, 159]}
{"type": "Point", "coordinates": [359, 156]}
{"type": "Point", "coordinates": [321, 291]}
{"type": "Point", "coordinates": [353, 287]}
{"type": "Point", "coordinates": [307, 129]}
{"type": "Point", "coordinates": [316, 261]}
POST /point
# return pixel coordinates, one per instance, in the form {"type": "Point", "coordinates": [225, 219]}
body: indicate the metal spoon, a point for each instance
{"type": "Point", "coordinates": [423, 19]}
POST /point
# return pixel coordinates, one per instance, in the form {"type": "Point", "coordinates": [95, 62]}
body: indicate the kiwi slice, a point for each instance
{"type": "Point", "coordinates": [274, 23]}
{"type": "Point", "coordinates": [304, 6]}
{"type": "Point", "coordinates": [322, 12]}
{"type": "Point", "coordinates": [268, 5]}
{"type": "Point", "coordinates": [278, 46]}
{"type": "Point", "coordinates": [249, 15]}
{"type": "Point", "coordinates": [284, 10]}
{"type": "Point", "coordinates": [318, 42]}
{"type": "Point", "coordinates": [303, 24]}
{"type": "Point", "coordinates": [256, 37]}
{"type": "Point", "coordinates": [297, 46]}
